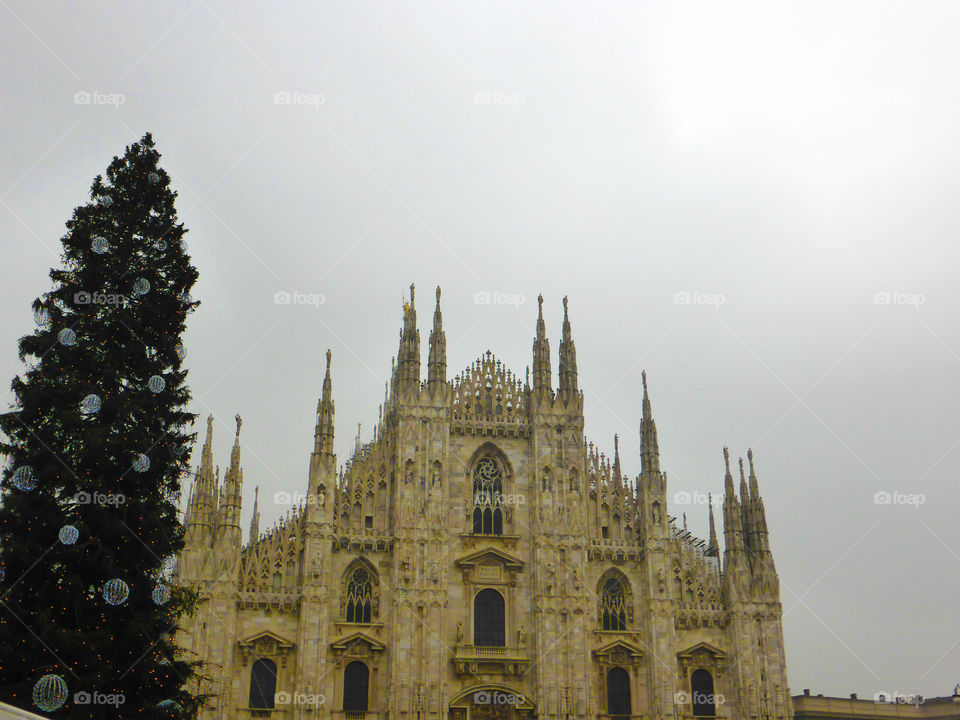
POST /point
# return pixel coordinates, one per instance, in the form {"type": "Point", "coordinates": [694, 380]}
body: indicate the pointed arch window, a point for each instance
{"type": "Point", "coordinates": [613, 606]}
{"type": "Point", "coordinates": [701, 690]}
{"type": "Point", "coordinates": [618, 693]}
{"type": "Point", "coordinates": [487, 497]}
{"type": "Point", "coordinates": [359, 596]}
{"type": "Point", "coordinates": [489, 619]}
{"type": "Point", "coordinates": [263, 684]}
{"type": "Point", "coordinates": [356, 687]}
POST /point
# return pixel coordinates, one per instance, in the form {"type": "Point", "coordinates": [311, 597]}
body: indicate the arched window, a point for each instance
{"type": "Point", "coordinates": [618, 693]}
{"type": "Point", "coordinates": [263, 684]}
{"type": "Point", "coordinates": [487, 497]}
{"type": "Point", "coordinates": [359, 596]}
{"type": "Point", "coordinates": [701, 690]}
{"type": "Point", "coordinates": [356, 684]}
{"type": "Point", "coordinates": [488, 619]}
{"type": "Point", "coordinates": [613, 607]}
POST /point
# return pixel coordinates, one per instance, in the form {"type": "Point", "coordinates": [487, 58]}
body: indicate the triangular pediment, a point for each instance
{"type": "Point", "coordinates": [266, 636]}
{"type": "Point", "coordinates": [619, 646]}
{"type": "Point", "coordinates": [358, 638]}
{"type": "Point", "coordinates": [702, 647]}
{"type": "Point", "coordinates": [490, 556]}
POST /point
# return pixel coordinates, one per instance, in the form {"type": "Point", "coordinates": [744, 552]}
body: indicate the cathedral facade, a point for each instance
{"type": "Point", "coordinates": [480, 559]}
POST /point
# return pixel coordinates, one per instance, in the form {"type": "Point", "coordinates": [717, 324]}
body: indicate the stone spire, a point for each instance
{"type": "Point", "coordinates": [541, 356]}
{"type": "Point", "coordinates": [205, 492]}
{"type": "Point", "coordinates": [255, 520]}
{"type": "Point", "coordinates": [231, 494]}
{"type": "Point", "coordinates": [713, 547]}
{"type": "Point", "coordinates": [323, 435]}
{"type": "Point", "coordinates": [322, 459]}
{"type": "Point", "coordinates": [649, 447]}
{"type": "Point", "coordinates": [408, 356]}
{"type": "Point", "coordinates": [759, 513]}
{"type": "Point", "coordinates": [732, 521]}
{"type": "Point", "coordinates": [617, 475]}
{"type": "Point", "coordinates": [568, 358]}
{"type": "Point", "coordinates": [746, 509]}
{"type": "Point", "coordinates": [437, 359]}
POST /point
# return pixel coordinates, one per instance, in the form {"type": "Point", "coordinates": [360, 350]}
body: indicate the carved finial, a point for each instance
{"type": "Point", "coordinates": [239, 423]}
{"type": "Point", "coordinates": [741, 467]}
{"type": "Point", "coordinates": [411, 293]}
{"type": "Point", "coordinates": [328, 358]}
{"type": "Point", "coordinates": [438, 293]}
{"type": "Point", "coordinates": [750, 458]}
{"type": "Point", "coordinates": [540, 304]}
{"type": "Point", "coordinates": [726, 458]}
{"type": "Point", "coordinates": [643, 376]}
{"type": "Point", "coordinates": [564, 305]}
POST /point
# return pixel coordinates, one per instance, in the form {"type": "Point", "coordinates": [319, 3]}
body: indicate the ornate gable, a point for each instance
{"type": "Point", "coordinates": [618, 652]}
{"type": "Point", "coordinates": [702, 648]}
{"type": "Point", "coordinates": [265, 644]}
{"type": "Point", "coordinates": [488, 397]}
{"type": "Point", "coordinates": [356, 645]}
{"type": "Point", "coordinates": [490, 566]}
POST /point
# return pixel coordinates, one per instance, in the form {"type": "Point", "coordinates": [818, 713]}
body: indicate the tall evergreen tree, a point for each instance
{"type": "Point", "coordinates": [96, 443]}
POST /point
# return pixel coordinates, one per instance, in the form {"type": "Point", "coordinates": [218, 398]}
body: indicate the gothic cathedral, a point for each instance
{"type": "Point", "coordinates": [480, 559]}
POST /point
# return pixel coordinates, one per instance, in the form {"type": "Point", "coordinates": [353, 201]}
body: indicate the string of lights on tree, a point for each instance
{"type": "Point", "coordinates": [97, 446]}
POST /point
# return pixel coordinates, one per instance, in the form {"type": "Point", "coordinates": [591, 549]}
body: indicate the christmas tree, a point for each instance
{"type": "Point", "coordinates": [95, 444]}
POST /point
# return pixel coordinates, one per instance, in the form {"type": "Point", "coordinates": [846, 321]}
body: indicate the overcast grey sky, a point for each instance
{"type": "Point", "coordinates": [782, 163]}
